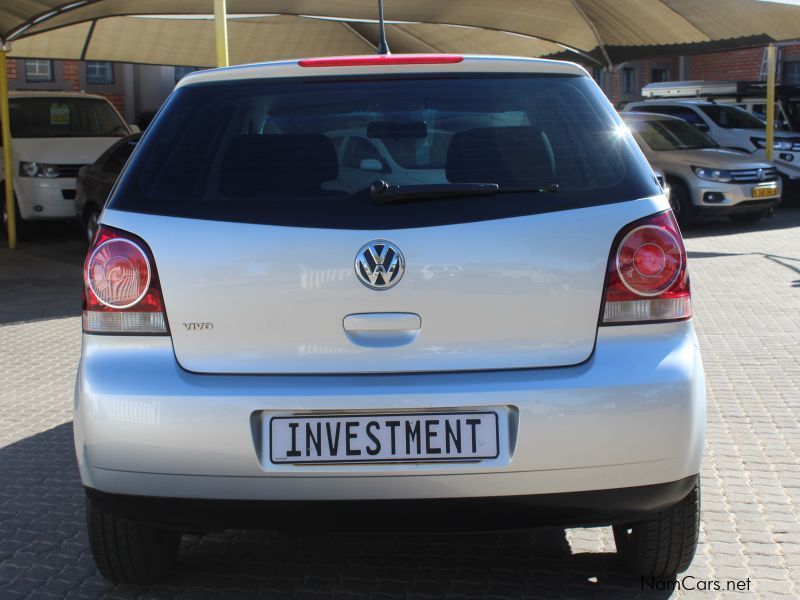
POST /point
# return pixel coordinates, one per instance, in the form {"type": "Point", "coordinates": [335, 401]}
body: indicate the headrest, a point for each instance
{"type": "Point", "coordinates": [255, 163]}
{"type": "Point", "coordinates": [508, 156]}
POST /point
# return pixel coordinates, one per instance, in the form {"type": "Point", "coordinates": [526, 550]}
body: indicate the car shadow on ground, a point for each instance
{"type": "Point", "coordinates": [711, 227]}
{"type": "Point", "coordinates": [42, 278]}
{"type": "Point", "coordinates": [43, 550]}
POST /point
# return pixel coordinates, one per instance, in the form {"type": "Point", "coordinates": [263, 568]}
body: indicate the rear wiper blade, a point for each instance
{"type": "Point", "coordinates": [383, 193]}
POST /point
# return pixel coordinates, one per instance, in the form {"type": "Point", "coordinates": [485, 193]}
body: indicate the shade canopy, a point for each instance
{"type": "Point", "coordinates": [615, 30]}
{"type": "Point", "coordinates": [190, 42]}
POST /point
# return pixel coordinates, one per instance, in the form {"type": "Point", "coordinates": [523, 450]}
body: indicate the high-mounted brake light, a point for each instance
{"type": "Point", "coordinates": [121, 290]}
{"type": "Point", "coordinates": [647, 275]}
{"type": "Point", "coordinates": [382, 59]}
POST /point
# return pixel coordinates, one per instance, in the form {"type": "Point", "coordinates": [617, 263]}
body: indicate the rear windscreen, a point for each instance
{"type": "Point", "coordinates": [304, 152]}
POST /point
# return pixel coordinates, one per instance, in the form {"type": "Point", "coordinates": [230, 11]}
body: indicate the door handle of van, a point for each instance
{"type": "Point", "coordinates": [376, 330]}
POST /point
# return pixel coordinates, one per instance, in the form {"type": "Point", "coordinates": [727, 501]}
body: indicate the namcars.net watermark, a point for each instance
{"type": "Point", "coordinates": [692, 583]}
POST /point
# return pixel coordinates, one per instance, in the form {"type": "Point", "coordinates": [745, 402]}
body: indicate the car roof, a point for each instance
{"type": "Point", "coordinates": [676, 102]}
{"type": "Point", "coordinates": [647, 116]}
{"type": "Point", "coordinates": [464, 64]}
{"type": "Point", "coordinates": [51, 94]}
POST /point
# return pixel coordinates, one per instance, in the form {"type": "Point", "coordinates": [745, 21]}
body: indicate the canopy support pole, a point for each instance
{"type": "Point", "coordinates": [771, 68]}
{"type": "Point", "coordinates": [221, 28]}
{"type": "Point", "coordinates": [8, 174]}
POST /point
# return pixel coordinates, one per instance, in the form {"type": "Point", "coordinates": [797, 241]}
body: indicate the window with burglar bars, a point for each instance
{"type": "Point", "coordinates": [629, 80]}
{"type": "Point", "coordinates": [791, 73]}
{"type": "Point", "coordinates": [38, 70]}
{"type": "Point", "coordinates": [99, 72]}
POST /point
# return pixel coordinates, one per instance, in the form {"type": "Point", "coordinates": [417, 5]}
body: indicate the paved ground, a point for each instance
{"type": "Point", "coordinates": [747, 302]}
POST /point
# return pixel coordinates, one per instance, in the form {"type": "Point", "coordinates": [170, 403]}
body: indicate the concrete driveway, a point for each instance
{"type": "Point", "coordinates": [746, 284]}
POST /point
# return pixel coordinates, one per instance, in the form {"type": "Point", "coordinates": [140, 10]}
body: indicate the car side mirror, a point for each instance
{"type": "Point", "coordinates": [371, 164]}
{"type": "Point", "coordinates": [701, 126]}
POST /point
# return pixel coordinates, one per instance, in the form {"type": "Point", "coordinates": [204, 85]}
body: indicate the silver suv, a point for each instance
{"type": "Point", "coordinates": [488, 329]}
{"type": "Point", "coordinates": [704, 179]}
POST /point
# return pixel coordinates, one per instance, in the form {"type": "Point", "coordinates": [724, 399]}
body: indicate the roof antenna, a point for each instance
{"type": "Point", "coordinates": [383, 47]}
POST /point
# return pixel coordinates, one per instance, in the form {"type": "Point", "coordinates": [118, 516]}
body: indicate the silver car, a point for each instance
{"type": "Point", "coordinates": [280, 336]}
{"type": "Point", "coordinates": [704, 179]}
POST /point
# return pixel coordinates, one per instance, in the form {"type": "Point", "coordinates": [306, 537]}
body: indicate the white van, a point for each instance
{"type": "Point", "coordinates": [750, 96]}
{"type": "Point", "coordinates": [53, 135]}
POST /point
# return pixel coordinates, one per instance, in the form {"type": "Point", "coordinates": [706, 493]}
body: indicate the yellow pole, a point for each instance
{"type": "Point", "coordinates": [7, 163]}
{"type": "Point", "coordinates": [221, 27]}
{"type": "Point", "coordinates": [771, 59]}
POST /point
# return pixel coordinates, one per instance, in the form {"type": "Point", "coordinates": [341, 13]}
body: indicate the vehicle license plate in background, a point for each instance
{"type": "Point", "coordinates": [762, 192]}
{"type": "Point", "coordinates": [384, 438]}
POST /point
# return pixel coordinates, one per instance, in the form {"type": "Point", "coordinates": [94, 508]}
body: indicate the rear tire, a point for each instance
{"type": "Point", "coordinates": [664, 544]}
{"type": "Point", "coordinates": [129, 552]}
{"type": "Point", "coordinates": [681, 202]}
{"type": "Point", "coordinates": [89, 222]}
{"type": "Point", "coordinates": [749, 218]}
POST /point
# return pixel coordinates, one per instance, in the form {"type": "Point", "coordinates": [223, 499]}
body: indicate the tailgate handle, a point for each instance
{"type": "Point", "coordinates": [382, 330]}
{"type": "Point", "coordinates": [378, 323]}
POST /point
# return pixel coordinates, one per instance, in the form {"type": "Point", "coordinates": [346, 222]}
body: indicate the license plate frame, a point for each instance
{"type": "Point", "coordinates": [282, 459]}
{"type": "Point", "coordinates": [764, 191]}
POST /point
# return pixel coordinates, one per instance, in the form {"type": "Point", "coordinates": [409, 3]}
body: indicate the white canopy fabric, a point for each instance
{"type": "Point", "coordinates": [190, 42]}
{"type": "Point", "coordinates": [615, 30]}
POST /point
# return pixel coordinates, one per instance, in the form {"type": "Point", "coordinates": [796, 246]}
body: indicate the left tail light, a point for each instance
{"type": "Point", "coordinates": [122, 294]}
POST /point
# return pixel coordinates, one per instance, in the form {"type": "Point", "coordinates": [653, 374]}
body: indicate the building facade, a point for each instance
{"type": "Point", "coordinates": [133, 89]}
{"type": "Point", "coordinates": [624, 84]}
{"type": "Point", "coordinates": [138, 90]}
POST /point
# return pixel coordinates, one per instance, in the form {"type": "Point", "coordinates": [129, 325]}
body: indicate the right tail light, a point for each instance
{"type": "Point", "coordinates": [647, 275]}
{"type": "Point", "coordinates": [121, 292]}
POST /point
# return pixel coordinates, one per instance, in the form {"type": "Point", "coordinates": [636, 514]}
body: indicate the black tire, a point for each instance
{"type": "Point", "coordinates": [127, 551]}
{"type": "Point", "coordinates": [89, 222]}
{"type": "Point", "coordinates": [790, 192]}
{"type": "Point", "coordinates": [681, 202]}
{"type": "Point", "coordinates": [664, 544]}
{"type": "Point", "coordinates": [749, 218]}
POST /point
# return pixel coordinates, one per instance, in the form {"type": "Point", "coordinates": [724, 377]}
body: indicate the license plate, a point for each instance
{"type": "Point", "coordinates": [423, 437]}
{"type": "Point", "coordinates": [763, 192]}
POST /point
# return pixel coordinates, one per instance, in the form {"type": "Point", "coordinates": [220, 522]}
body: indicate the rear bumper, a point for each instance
{"type": "Point", "coordinates": [632, 415]}
{"type": "Point", "coordinates": [571, 509]}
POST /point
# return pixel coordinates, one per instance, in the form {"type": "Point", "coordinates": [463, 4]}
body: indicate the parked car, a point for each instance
{"type": "Point", "coordinates": [53, 135]}
{"type": "Point", "coordinates": [662, 181]}
{"type": "Point", "coordinates": [95, 182]}
{"type": "Point", "coordinates": [705, 179]}
{"type": "Point", "coordinates": [735, 129]}
{"type": "Point", "coordinates": [507, 345]}
{"type": "Point", "coordinates": [750, 96]}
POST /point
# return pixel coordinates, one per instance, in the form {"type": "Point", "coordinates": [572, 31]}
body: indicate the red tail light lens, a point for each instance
{"type": "Point", "coordinates": [121, 290]}
{"type": "Point", "coordinates": [118, 273]}
{"type": "Point", "coordinates": [647, 275]}
{"type": "Point", "coordinates": [382, 59]}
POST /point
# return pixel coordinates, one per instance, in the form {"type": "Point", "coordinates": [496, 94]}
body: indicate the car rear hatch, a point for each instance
{"type": "Point", "coordinates": [255, 201]}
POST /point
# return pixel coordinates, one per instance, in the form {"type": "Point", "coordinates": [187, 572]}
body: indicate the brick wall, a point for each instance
{"type": "Point", "coordinates": [644, 71]}
{"type": "Point", "coordinates": [118, 100]}
{"type": "Point", "coordinates": [72, 80]}
{"type": "Point", "coordinates": [731, 65]}
{"type": "Point", "coordinates": [72, 75]}
{"type": "Point", "coordinates": [791, 52]}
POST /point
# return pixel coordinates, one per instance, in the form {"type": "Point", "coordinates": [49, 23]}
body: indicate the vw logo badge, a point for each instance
{"type": "Point", "coordinates": [380, 264]}
{"type": "Point", "coordinates": [761, 174]}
